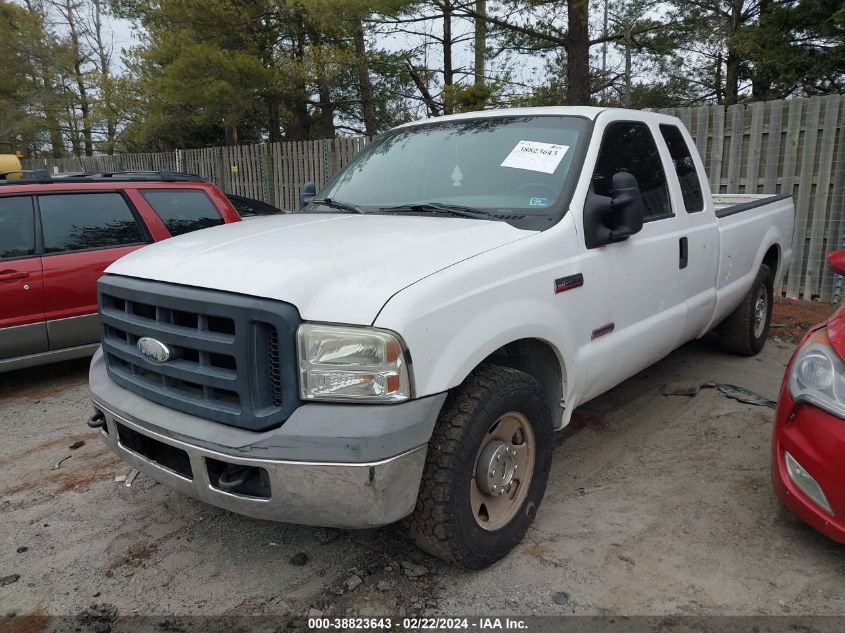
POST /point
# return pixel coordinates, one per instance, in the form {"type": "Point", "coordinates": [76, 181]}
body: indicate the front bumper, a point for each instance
{"type": "Point", "coordinates": [363, 474]}
{"type": "Point", "coordinates": [816, 440]}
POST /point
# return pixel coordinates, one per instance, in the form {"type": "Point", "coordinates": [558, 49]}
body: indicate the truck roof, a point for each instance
{"type": "Point", "coordinates": [589, 112]}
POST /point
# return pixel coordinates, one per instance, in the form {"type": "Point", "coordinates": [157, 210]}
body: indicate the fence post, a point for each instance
{"type": "Point", "coordinates": [327, 162]}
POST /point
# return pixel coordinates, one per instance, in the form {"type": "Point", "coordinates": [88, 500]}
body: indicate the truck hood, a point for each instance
{"type": "Point", "coordinates": [333, 267]}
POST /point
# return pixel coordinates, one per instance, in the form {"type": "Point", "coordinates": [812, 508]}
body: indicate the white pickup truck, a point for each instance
{"type": "Point", "coordinates": [404, 347]}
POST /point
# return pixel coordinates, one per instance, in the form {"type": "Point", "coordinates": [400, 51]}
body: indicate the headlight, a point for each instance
{"type": "Point", "coordinates": [818, 375]}
{"type": "Point", "coordinates": [349, 363]}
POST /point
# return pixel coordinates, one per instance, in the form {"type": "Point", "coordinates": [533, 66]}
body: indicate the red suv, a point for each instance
{"type": "Point", "coordinates": [57, 235]}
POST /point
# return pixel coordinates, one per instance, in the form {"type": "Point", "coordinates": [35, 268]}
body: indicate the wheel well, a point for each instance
{"type": "Point", "coordinates": [771, 259]}
{"type": "Point", "coordinates": [539, 360]}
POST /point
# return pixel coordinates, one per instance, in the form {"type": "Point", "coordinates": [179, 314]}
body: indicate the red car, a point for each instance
{"type": "Point", "coordinates": [808, 448]}
{"type": "Point", "coordinates": [57, 235]}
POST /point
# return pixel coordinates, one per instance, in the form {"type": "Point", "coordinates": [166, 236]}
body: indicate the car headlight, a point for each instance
{"type": "Point", "coordinates": [818, 375]}
{"type": "Point", "coordinates": [351, 363]}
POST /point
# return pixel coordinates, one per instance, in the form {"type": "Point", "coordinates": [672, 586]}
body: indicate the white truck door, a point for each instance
{"type": "Point", "coordinates": [646, 296]}
{"type": "Point", "coordinates": [699, 247]}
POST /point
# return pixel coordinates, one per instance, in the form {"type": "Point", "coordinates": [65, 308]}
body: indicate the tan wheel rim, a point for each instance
{"type": "Point", "coordinates": [504, 466]}
{"type": "Point", "coordinates": [761, 309]}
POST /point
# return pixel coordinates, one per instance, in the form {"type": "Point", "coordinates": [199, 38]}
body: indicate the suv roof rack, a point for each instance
{"type": "Point", "coordinates": [41, 176]}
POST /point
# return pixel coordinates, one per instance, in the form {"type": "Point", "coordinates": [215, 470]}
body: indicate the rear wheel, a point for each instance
{"type": "Point", "coordinates": [486, 470]}
{"type": "Point", "coordinates": [745, 331]}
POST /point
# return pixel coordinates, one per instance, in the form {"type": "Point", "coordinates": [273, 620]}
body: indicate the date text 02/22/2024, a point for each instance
{"type": "Point", "coordinates": [412, 624]}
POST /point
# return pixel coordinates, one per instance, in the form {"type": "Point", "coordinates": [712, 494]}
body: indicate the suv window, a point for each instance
{"type": "Point", "coordinates": [87, 221]}
{"type": "Point", "coordinates": [629, 146]}
{"type": "Point", "coordinates": [684, 167]}
{"type": "Point", "coordinates": [249, 207]}
{"type": "Point", "coordinates": [17, 227]}
{"type": "Point", "coordinates": [183, 210]}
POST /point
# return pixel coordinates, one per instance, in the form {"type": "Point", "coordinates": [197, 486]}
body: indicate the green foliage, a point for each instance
{"type": "Point", "coordinates": [469, 98]}
{"type": "Point", "coordinates": [795, 48]}
{"type": "Point", "coordinates": [33, 59]}
{"type": "Point", "coordinates": [212, 72]}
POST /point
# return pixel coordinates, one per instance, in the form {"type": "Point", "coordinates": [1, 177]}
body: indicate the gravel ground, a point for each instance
{"type": "Point", "coordinates": [657, 504]}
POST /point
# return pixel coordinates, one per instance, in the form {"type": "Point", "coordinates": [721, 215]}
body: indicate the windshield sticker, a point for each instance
{"type": "Point", "coordinates": [534, 156]}
{"type": "Point", "coordinates": [538, 202]}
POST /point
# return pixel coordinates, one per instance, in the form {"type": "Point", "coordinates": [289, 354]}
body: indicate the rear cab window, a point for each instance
{"type": "Point", "coordinates": [17, 227]}
{"type": "Point", "coordinates": [688, 176]}
{"type": "Point", "coordinates": [87, 221]}
{"type": "Point", "coordinates": [183, 210]}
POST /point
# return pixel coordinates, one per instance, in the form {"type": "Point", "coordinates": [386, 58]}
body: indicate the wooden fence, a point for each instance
{"type": "Point", "coordinates": [795, 146]}
{"type": "Point", "coordinates": [273, 172]}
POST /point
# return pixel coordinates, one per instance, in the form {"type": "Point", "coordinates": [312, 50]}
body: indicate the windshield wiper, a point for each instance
{"type": "Point", "coordinates": [439, 207]}
{"type": "Point", "coordinates": [340, 205]}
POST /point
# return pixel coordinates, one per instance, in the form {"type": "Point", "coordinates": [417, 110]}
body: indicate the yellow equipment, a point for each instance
{"type": "Point", "coordinates": [10, 163]}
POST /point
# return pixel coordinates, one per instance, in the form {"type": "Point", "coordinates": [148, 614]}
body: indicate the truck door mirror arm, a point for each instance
{"type": "Point", "coordinates": [309, 191]}
{"type": "Point", "coordinates": [614, 218]}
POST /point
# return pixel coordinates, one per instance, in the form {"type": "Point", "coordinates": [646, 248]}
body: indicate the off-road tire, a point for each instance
{"type": "Point", "coordinates": [737, 332]}
{"type": "Point", "coordinates": [443, 523]}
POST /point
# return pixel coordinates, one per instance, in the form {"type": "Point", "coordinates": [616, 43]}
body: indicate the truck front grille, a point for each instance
{"type": "Point", "coordinates": [232, 358]}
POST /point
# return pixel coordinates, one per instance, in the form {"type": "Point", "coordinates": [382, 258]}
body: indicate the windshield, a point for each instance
{"type": "Point", "coordinates": [512, 163]}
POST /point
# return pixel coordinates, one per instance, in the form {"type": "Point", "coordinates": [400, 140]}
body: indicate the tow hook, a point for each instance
{"type": "Point", "coordinates": [97, 421]}
{"type": "Point", "coordinates": [233, 477]}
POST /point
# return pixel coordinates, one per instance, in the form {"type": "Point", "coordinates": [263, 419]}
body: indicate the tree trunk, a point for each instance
{"type": "Point", "coordinates": [480, 48]}
{"type": "Point", "coordinates": [761, 83]}
{"type": "Point", "coordinates": [448, 72]}
{"type": "Point", "coordinates": [106, 91]}
{"type": "Point", "coordinates": [73, 132]}
{"type": "Point", "coordinates": [732, 59]}
{"type": "Point", "coordinates": [300, 128]}
{"type": "Point", "coordinates": [327, 106]}
{"type": "Point", "coordinates": [628, 68]}
{"type": "Point", "coordinates": [273, 119]}
{"type": "Point", "coordinates": [79, 77]}
{"type": "Point", "coordinates": [49, 101]}
{"type": "Point", "coordinates": [365, 86]}
{"type": "Point", "coordinates": [419, 82]}
{"type": "Point", "coordinates": [51, 120]}
{"type": "Point", "coordinates": [731, 77]}
{"type": "Point", "coordinates": [578, 54]}
{"type": "Point", "coordinates": [717, 80]}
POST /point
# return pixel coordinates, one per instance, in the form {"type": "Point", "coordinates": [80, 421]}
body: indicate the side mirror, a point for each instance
{"type": "Point", "coordinates": [836, 262]}
{"type": "Point", "coordinates": [615, 218]}
{"type": "Point", "coordinates": [309, 191]}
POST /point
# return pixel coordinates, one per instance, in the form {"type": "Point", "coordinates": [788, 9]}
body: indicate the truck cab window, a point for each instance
{"type": "Point", "coordinates": [629, 146]}
{"type": "Point", "coordinates": [684, 167]}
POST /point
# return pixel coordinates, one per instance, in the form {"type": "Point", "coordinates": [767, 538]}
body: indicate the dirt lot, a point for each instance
{"type": "Point", "coordinates": [656, 505]}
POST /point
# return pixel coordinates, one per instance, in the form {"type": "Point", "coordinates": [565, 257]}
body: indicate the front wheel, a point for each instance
{"type": "Point", "coordinates": [745, 331]}
{"type": "Point", "coordinates": [486, 470]}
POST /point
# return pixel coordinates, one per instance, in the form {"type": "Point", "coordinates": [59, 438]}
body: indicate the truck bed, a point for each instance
{"type": "Point", "coordinates": [730, 203]}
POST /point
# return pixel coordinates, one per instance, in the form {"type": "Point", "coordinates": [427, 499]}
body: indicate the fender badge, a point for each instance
{"type": "Point", "coordinates": [604, 329]}
{"type": "Point", "coordinates": [568, 283]}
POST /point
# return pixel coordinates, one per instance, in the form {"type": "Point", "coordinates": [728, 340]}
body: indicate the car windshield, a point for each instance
{"type": "Point", "coordinates": [513, 163]}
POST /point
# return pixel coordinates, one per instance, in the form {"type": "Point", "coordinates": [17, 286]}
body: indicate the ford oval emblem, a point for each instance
{"type": "Point", "coordinates": [153, 350]}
